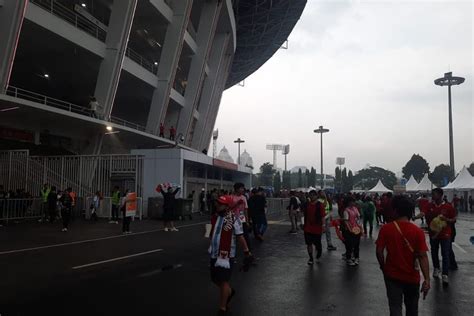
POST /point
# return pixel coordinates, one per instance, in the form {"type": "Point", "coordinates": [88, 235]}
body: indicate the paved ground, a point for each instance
{"type": "Point", "coordinates": [91, 270]}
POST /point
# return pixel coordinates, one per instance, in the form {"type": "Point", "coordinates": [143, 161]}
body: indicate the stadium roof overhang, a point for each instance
{"type": "Point", "coordinates": [262, 28]}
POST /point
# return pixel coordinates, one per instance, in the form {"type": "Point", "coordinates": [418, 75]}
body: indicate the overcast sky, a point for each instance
{"type": "Point", "coordinates": [365, 70]}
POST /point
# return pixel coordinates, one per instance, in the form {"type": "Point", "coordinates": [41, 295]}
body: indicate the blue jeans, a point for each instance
{"type": "Point", "coordinates": [259, 224]}
{"type": "Point", "coordinates": [445, 253]}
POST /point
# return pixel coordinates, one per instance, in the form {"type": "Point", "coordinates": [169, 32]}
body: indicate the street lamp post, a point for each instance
{"type": "Point", "coordinates": [321, 131]}
{"type": "Point", "coordinates": [239, 141]}
{"type": "Point", "coordinates": [449, 80]}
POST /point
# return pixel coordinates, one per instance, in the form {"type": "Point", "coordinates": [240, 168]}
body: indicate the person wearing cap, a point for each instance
{"type": "Point", "coordinates": [226, 229]}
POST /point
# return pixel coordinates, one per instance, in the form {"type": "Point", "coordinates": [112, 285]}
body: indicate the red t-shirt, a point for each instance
{"type": "Point", "coordinates": [424, 204]}
{"type": "Point", "coordinates": [399, 263]}
{"type": "Point", "coordinates": [311, 224]}
{"type": "Point", "coordinates": [445, 209]}
{"type": "Point", "coordinates": [388, 212]}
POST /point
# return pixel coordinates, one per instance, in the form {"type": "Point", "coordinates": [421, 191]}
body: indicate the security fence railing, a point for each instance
{"type": "Point", "coordinates": [18, 209]}
{"type": "Point", "coordinates": [276, 206]}
{"type": "Point", "coordinates": [145, 63]}
{"type": "Point", "coordinates": [72, 17]}
{"type": "Point", "coordinates": [105, 208]}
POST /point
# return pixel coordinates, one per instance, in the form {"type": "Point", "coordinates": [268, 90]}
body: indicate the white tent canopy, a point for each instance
{"type": "Point", "coordinates": [380, 188]}
{"type": "Point", "coordinates": [463, 182]}
{"type": "Point", "coordinates": [425, 185]}
{"type": "Point", "coordinates": [411, 185]}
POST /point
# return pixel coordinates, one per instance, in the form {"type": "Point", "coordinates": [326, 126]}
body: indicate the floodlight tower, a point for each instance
{"type": "Point", "coordinates": [215, 135]}
{"type": "Point", "coordinates": [275, 148]}
{"type": "Point", "coordinates": [449, 80]}
{"type": "Point", "coordinates": [321, 130]}
{"type": "Point", "coordinates": [286, 151]}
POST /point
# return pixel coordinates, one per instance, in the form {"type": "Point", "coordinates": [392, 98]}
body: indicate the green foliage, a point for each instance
{"type": "Point", "coordinates": [286, 180]}
{"type": "Point", "coordinates": [300, 178]}
{"type": "Point", "coordinates": [471, 169]}
{"type": "Point", "coordinates": [367, 178]}
{"type": "Point", "coordinates": [265, 177]}
{"type": "Point", "coordinates": [417, 167]}
{"type": "Point", "coordinates": [439, 174]}
{"type": "Point", "coordinates": [312, 178]}
{"type": "Point", "coordinates": [277, 182]}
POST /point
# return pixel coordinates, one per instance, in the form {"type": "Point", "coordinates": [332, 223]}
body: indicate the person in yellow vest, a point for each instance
{"type": "Point", "coordinates": [44, 192]}
{"type": "Point", "coordinates": [328, 207]}
{"type": "Point", "coordinates": [116, 195]}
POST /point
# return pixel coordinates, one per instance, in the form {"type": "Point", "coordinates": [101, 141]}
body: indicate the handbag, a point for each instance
{"type": "Point", "coordinates": [416, 264]}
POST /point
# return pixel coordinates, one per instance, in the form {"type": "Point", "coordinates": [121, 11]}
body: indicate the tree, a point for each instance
{"type": "Point", "coordinates": [344, 180]}
{"type": "Point", "coordinates": [306, 178]}
{"type": "Point", "coordinates": [277, 182]}
{"type": "Point", "coordinates": [266, 174]}
{"type": "Point", "coordinates": [367, 178]}
{"type": "Point", "coordinates": [350, 181]}
{"type": "Point", "coordinates": [417, 167]}
{"type": "Point", "coordinates": [300, 178]}
{"type": "Point", "coordinates": [338, 183]}
{"type": "Point", "coordinates": [312, 178]}
{"type": "Point", "coordinates": [287, 180]}
{"type": "Point", "coordinates": [471, 169]}
{"type": "Point", "coordinates": [441, 175]}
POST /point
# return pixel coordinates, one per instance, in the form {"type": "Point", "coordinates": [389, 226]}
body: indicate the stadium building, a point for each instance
{"type": "Point", "coordinates": [90, 78]}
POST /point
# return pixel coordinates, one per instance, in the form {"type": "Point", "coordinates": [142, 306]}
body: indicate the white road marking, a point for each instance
{"type": "Point", "coordinates": [148, 274]}
{"type": "Point", "coordinates": [116, 259]}
{"type": "Point", "coordinates": [92, 240]}
{"type": "Point", "coordinates": [459, 247]}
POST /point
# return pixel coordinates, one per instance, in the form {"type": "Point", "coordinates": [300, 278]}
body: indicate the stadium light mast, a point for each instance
{"type": "Point", "coordinates": [449, 80]}
{"type": "Point", "coordinates": [321, 131]}
{"type": "Point", "coordinates": [275, 148]}
{"type": "Point", "coordinates": [239, 141]}
{"type": "Point", "coordinates": [286, 151]}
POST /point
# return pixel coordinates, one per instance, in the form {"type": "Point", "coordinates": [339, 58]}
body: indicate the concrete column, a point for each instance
{"type": "Point", "coordinates": [172, 47]}
{"type": "Point", "coordinates": [207, 28]}
{"type": "Point", "coordinates": [216, 64]}
{"type": "Point", "coordinates": [214, 104]}
{"type": "Point", "coordinates": [12, 13]}
{"type": "Point", "coordinates": [121, 20]}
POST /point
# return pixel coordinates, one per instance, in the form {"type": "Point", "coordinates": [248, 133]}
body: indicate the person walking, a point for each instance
{"type": "Point", "coordinates": [226, 230]}
{"type": "Point", "coordinates": [313, 227]}
{"type": "Point", "coordinates": [368, 215]}
{"type": "Point", "coordinates": [52, 204]}
{"type": "Point", "coordinates": [439, 215]}
{"type": "Point", "coordinates": [126, 219]}
{"type": "Point", "coordinates": [240, 209]}
{"type": "Point", "coordinates": [162, 130]}
{"type": "Point", "coordinates": [257, 207]}
{"type": "Point", "coordinates": [95, 206]}
{"type": "Point", "coordinates": [116, 197]}
{"type": "Point", "coordinates": [66, 204]}
{"type": "Point", "coordinates": [294, 211]}
{"type": "Point", "coordinates": [401, 251]}
{"type": "Point", "coordinates": [352, 231]}
{"type": "Point", "coordinates": [327, 218]}
{"type": "Point", "coordinates": [168, 208]}
{"type": "Point", "coordinates": [202, 201]}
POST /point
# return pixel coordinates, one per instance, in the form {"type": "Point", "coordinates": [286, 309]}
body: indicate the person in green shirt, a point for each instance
{"type": "Point", "coordinates": [44, 192]}
{"type": "Point", "coordinates": [327, 220]}
{"type": "Point", "coordinates": [368, 214]}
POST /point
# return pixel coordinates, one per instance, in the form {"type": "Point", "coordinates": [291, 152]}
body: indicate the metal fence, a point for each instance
{"type": "Point", "coordinates": [84, 174]}
{"type": "Point", "coordinates": [17, 209]}
{"type": "Point", "coordinates": [143, 62]}
{"type": "Point", "coordinates": [72, 17]}
{"type": "Point", "coordinates": [105, 208]}
{"type": "Point", "coordinates": [277, 206]}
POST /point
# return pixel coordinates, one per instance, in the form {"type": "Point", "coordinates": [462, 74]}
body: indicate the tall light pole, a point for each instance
{"type": "Point", "coordinates": [239, 141]}
{"type": "Point", "coordinates": [286, 151]}
{"type": "Point", "coordinates": [321, 131]}
{"type": "Point", "coordinates": [449, 80]}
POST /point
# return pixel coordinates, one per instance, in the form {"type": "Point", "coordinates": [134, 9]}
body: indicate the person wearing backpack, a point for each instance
{"type": "Point", "coordinates": [401, 252]}
{"type": "Point", "coordinates": [313, 226]}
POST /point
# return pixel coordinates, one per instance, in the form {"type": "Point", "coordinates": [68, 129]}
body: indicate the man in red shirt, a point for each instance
{"type": "Point", "coordinates": [314, 226]}
{"type": "Point", "coordinates": [172, 133]}
{"type": "Point", "coordinates": [388, 212]}
{"type": "Point", "coordinates": [423, 205]}
{"type": "Point", "coordinates": [162, 130]}
{"type": "Point", "coordinates": [406, 251]}
{"type": "Point", "coordinates": [443, 212]}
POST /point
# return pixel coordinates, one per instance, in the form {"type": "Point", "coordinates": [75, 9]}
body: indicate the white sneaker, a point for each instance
{"type": "Point", "coordinates": [116, 222]}
{"type": "Point", "coordinates": [436, 273]}
{"type": "Point", "coordinates": [111, 222]}
{"type": "Point", "coordinates": [167, 229]}
{"type": "Point", "coordinates": [174, 229]}
{"type": "Point", "coordinates": [445, 279]}
{"type": "Point", "coordinates": [356, 261]}
{"type": "Point", "coordinates": [351, 263]}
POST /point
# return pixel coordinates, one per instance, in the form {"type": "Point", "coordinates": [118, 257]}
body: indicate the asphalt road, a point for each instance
{"type": "Point", "coordinates": [94, 270]}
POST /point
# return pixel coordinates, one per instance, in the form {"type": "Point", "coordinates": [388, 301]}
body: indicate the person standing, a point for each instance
{"type": "Point", "coordinates": [314, 215]}
{"type": "Point", "coordinates": [94, 107]}
{"type": "Point", "coordinates": [44, 192]}
{"type": "Point", "coordinates": [327, 218]}
{"type": "Point", "coordinates": [423, 205]}
{"type": "Point", "coordinates": [162, 130]}
{"type": "Point", "coordinates": [52, 204]}
{"type": "Point", "coordinates": [66, 203]}
{"type": "Point", "coordinates": [240, 209]}
{"type": "Point", "coordinates": [406, 252]}
{"type": "Point", "coordinates": [352, 231]}
{"type": "Point", "coordinates": [95, 206]}
{"type": "Point", "coordinates": [257, 207]}
{"type": "Point", "coordinates": [116, 196]}
{"type": "Point", "coordinates": [202, 201]}
{"type": "Point", "coordinates": [172, 133]}
{"type": "Point", "coordinates": [388, 213]}
{"type": "Point", "coordinates": [226, 229]}
{"type": "Point", "coordinates": [439, 215]}
{"type": "Point", "coordinates": [168, 208]}
{"type": "Point", "coordinates": [368, 215]}
{"type": "Point", "coordinates": [126, 219]}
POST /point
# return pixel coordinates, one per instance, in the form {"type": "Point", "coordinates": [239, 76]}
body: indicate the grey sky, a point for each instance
{"type": "Point", "coordinates": [365, 70]}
